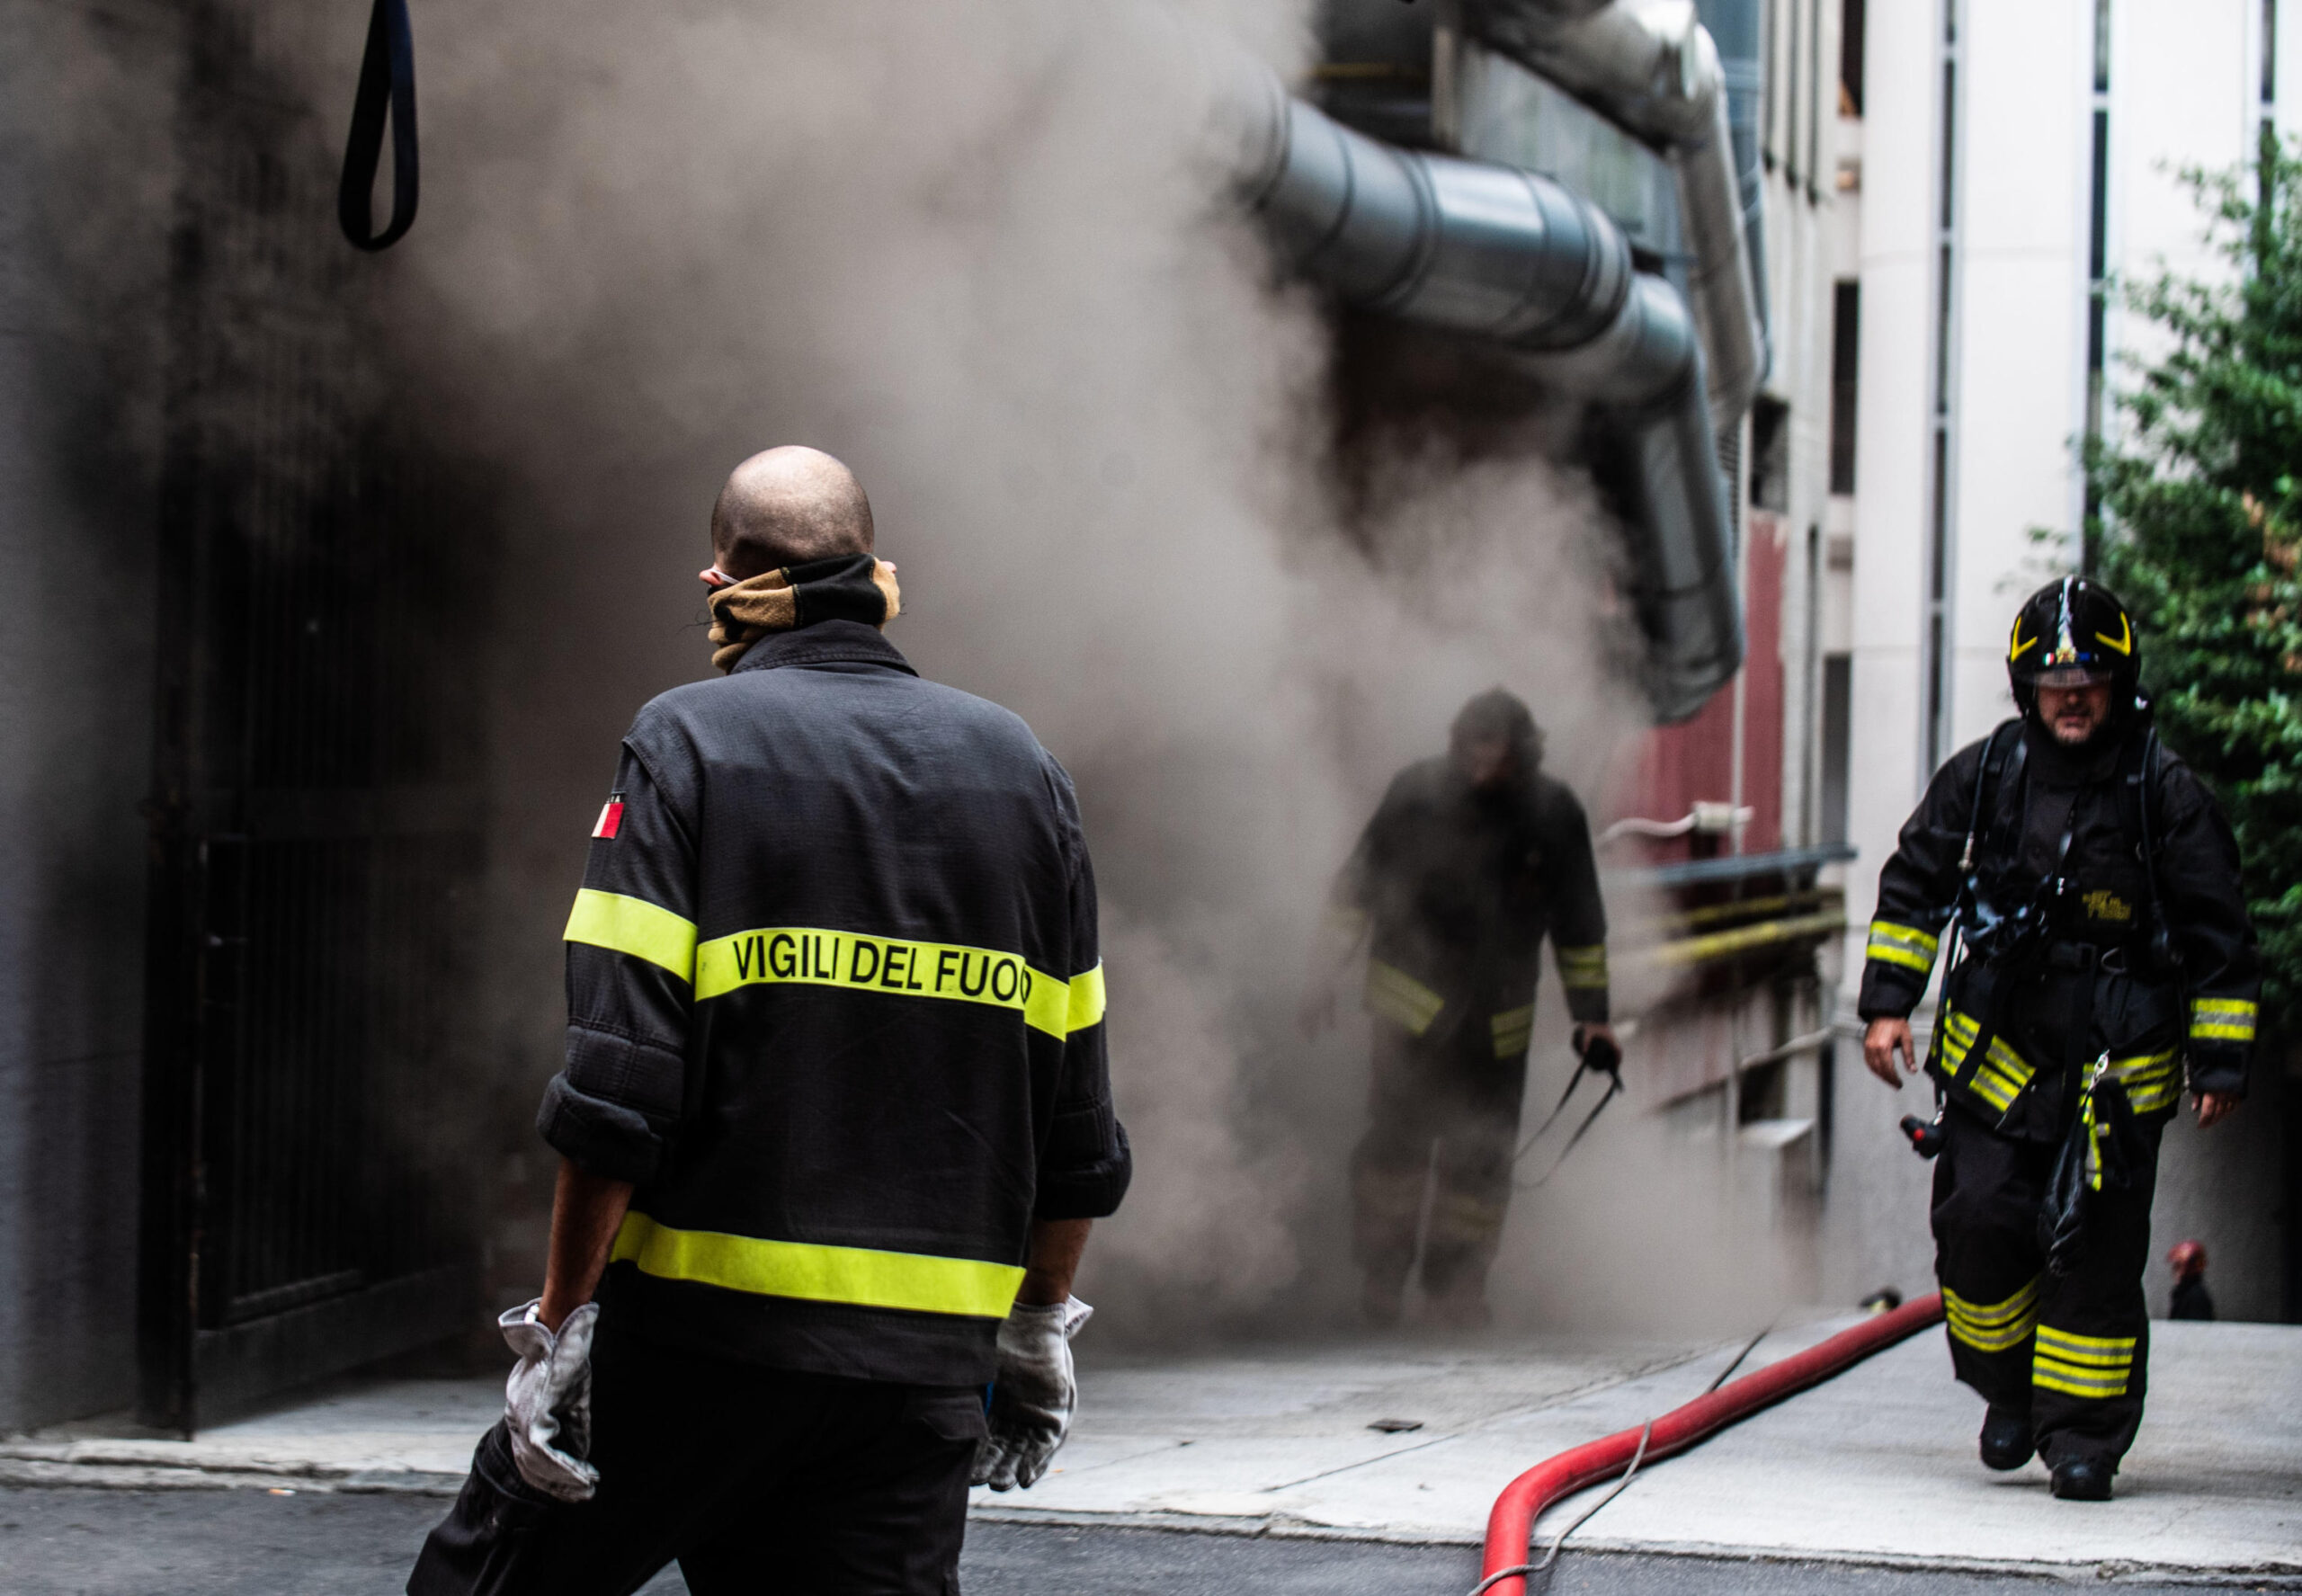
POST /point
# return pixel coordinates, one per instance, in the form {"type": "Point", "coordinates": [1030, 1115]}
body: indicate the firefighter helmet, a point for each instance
{"type": "Point", "coordinates": [2189, 1259]}
{"type": "Point", "coordinates": [1500, 713]}
{"type": "Point", "coordinates": [2072, 633]}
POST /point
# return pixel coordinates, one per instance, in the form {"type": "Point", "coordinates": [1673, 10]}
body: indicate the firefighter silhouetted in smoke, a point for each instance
{"type": "Point", "coordinates": [835, 1117]}
{"type": "Point", "coordinates": [1470, 860]}
{"type": "Point", "coordinates": [2095, 885]}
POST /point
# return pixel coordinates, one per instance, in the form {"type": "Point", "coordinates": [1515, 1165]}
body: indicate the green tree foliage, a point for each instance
{"type": "Point", "coordinates": [2199, 528]}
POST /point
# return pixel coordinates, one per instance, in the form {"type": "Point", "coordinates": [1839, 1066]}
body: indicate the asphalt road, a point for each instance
{"type": "Point", "coordinates": [66, 1542]}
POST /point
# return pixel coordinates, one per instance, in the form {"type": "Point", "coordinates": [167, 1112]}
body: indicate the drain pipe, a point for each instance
{"type": "Point", "coordinates": [1737, 33]}
{"type": "Point", "coordinates": [1651, 66]}
{"type": "Point", "coordinates": [1495, 252]}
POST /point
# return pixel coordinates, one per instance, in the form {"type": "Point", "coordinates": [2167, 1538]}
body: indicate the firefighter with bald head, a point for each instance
{"type": "Point", "coordinates": [1470, 863]}
{"type": "Point", "coordinates": [2105, 959]}
{"type": "Point", "coordinates": [834, 1120]}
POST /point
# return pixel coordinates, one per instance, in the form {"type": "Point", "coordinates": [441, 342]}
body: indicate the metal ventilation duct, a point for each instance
{"type": "Point", "coordinates": [1651, 66]}
{"type": "Point", "coordinates": [1737, 29]}
{"type": "Point", "coordinates": [1510, 256]}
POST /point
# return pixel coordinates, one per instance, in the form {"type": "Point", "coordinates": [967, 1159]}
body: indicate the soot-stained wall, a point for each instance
{"type": "Point", "coordinates": [84, 90]}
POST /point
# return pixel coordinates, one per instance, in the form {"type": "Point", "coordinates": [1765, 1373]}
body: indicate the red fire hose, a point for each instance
{"type": "Point", "coordinates": [1512, 1524]}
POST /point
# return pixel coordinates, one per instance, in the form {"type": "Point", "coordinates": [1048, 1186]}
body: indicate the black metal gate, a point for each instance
{"type": "Point", "coordinates": [316, 835]}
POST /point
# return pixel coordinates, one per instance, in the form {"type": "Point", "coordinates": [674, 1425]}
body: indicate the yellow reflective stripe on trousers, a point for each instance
{"type": "Point", "coordinates": [1582, 969]}
{"type": "Point", "coordinates": [1993, 1326]}
{"type": "Point", "coordinates": [1905, 945]}
{"type": "Point", "coordinates": [917, 1282]}
{"type": "Point", "coordinates": [633, 925]}
{"type": "Point", "coordinates": [2000, 1076]}
{"type": "Point", "coordinates": [1398, 996]}
{"type": "Point", "coordinates": [2222, 1019]}
{"type": "Point", "coordinates": [812, 956]}
{"type": "Point", "coordinates": [1513, 1030]}
{"type": "Point", "coordinates": [2081, 1365]}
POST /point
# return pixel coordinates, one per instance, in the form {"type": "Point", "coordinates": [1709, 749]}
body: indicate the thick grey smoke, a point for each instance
{"type": "Point", "coordinates": [977, 249]}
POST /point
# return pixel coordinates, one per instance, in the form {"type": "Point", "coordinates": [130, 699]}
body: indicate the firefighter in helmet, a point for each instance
{"type": "Point", "coordinates": [1470, 860]}
{"type": "Point", "coordinates": [2091, 885]}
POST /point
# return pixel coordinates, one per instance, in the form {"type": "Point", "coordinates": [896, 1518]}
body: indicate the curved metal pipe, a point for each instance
{"type": "Point", "coordinates": [1650, 65]}
{"type": "Point", "coordinates": [1503, 254]}
{"type": "Point", "coordinates": [1462, 245]}
{"type": "Point", "coordinates": [1683, 540]}
{"type": "Point", "coordinates": [1738, 32]}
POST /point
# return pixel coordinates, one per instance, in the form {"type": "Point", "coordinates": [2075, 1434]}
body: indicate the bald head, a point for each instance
{"type": "Point", "coordinates": [785, 507]}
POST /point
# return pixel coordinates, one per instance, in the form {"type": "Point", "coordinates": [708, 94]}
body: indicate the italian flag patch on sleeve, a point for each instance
{"type": "Point", "coordinates": [611, 817]}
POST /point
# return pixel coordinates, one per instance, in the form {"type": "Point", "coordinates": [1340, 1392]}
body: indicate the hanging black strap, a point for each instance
{"type": "Point", "coordinates": [386, 85]}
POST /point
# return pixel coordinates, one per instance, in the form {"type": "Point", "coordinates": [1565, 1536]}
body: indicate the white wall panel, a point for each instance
{"type": "Point", "coordinates": [2181, 95]}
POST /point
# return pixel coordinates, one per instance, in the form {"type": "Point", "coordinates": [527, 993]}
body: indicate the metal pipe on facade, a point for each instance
{"type": "Point", "coordinates": [1737, 30]}
{"type": "Point", "coordinates": [1650, 65]}
{"type": "Point", "coordinates": [1498, 253]}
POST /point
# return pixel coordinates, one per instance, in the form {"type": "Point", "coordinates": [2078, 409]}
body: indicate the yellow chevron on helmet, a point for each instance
{"type": "Point", "coordinates": [2069, 633]}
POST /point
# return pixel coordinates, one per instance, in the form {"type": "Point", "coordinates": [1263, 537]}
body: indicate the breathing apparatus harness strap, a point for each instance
{"type": "Point", "coordinates": [1968, 908]}
{"type": "Point", "coordinates": [2137, 787]}
{"type": "Point", "coordinates": [387, 87]}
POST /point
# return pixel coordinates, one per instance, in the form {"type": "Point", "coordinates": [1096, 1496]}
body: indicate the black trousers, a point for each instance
{"type": "Point", "coordinates": [2071, 1351]}
{"type": "Point", "coordinates": [1451, 1101]}
{"type": "Point", "coordinates": [754, 1479]}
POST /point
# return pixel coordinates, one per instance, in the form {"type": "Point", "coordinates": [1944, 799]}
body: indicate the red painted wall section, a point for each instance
{"type": "Point", "coordinates": [1678, 766]}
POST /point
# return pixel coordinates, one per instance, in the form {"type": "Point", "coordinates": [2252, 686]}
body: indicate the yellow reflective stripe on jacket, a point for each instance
{"type": "Point", "coordinates": [1993, 1326]}
{"type": "Point", "coordinates": [1513, 1030]}
{"type": "Point", "coordinates": [1582, 969]}
{"type": "Point", "coordinates": [2151, 1081]}
{"type": "Point", "coordinates": [633, 925]}
{"type": "Point", "coordinates": [1398, 996]}
{"type": "Point", "coordinates": [917, 1282]}
{"type": "Point", "coordinates": [1999, 1078]}
{"type": "Point", "coordinates": [1905, 945]}
{"type": "Point", "coordinates": [2222, 1019]}
{"type": "Point", "coordinates": [1083, 1001]}
{"type": "Point", "coordinates": [2081, 1365]}
{"type": "Point", "coordinates": [812, 956]}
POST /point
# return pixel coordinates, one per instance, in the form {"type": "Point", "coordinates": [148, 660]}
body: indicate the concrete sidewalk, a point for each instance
{"type": "Point", "coordinates": [1875, 1467]}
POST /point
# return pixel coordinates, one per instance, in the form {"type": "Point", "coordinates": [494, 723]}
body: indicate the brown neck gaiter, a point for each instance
{"type": "Point", "coordinates": [845, 587]}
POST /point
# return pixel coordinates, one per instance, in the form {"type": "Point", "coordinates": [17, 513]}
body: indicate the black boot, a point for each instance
{"type": "Point", "coordinates": [2006, 1440]}
{"type": "Point", "coordinates": [2083, 1479]}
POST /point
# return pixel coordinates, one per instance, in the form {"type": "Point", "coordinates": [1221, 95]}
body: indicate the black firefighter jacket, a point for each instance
{"type": "Point", "coordinates": [2091, 987]}
{"type": "Point", "coordinates": [1461, 886]}
{"type": "Point", "coordinates": [836, 1007]}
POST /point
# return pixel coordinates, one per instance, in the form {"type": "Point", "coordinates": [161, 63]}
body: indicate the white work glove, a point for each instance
{"type": "Point", "coordinates": [548, 1400]}
{"type": "Point", "coordinates": [1033, 1399]}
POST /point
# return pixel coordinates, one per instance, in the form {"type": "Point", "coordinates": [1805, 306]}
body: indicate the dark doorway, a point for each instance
{"type": "Point", "coordinates": [316, 814]}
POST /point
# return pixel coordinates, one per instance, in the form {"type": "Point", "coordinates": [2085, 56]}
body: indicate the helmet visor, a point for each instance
{"type": "Point", "coordinates": [2073, 676]}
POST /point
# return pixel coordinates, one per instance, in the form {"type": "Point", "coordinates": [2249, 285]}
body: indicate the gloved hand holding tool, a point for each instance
{"type": "Point", "coordinates": [1596, 1052]}
{"type": "Point", "coordinates": [1034, 1395]}
{"type": "Point", "coordinates": [548, 1400]}
{"type": "Point", "coordinates": [1596, 1046]}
